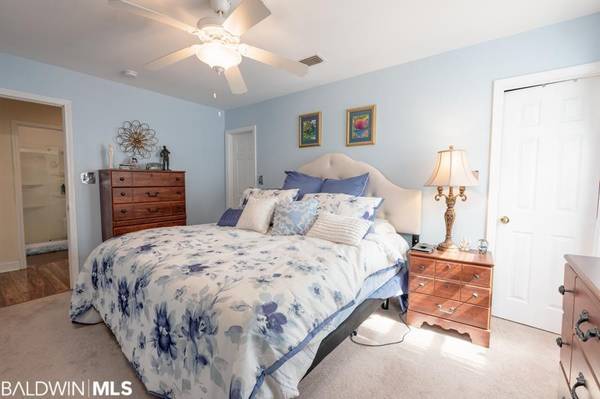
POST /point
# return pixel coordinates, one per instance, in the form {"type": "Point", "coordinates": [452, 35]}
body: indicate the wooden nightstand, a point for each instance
{"type": "Point", "coordinates": [452, 290]}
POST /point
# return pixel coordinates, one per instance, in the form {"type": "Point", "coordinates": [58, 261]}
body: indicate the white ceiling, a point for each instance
{"type": "Point", "coordinates": [353, 36]}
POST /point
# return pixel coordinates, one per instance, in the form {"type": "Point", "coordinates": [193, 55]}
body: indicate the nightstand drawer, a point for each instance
{"type": "Point", "coordinates": [448, 270]}
{"type": "Point", "coordinates": [421, 284]}
{"type": "Point", "coordinates": [475, 295]}
{"type": "Point", "coordinates": [477, 275]}
{"type": "Point", "coordinates": [422, 266]}
{"type": "Point", "coordinates": [446, 289]}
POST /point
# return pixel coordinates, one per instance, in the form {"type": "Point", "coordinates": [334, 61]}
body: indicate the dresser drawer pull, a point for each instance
{"type": "Point", "coordinates": [560, 342]}
{"type": "Point", "coordinates": [580, 382]}
{"type": "Point", "coordinates": [154, 194]}
{"type": "Point", "coordinates": [476, 276]}
{"type": "Point", "coordinates": [123, 211]}
{"type": "Point", "coordinates": [562, 290]}
{"type": "Point", "coordinates": [177, 179]}
{"type": "Point", "coordinates": [584, 317]}
{"type": "Point", "coordinates": [421, 267]}
{"type": "Point", "coordinates": [121, 178]}
{"type": "Point", "coordinates": [123, 193]}
{"type": "Point", "coordinates": [475, 295]}
{"type": "Point", "coordinates": [152, 210]}
{"type": "Point", "coordinates": [449, 311]}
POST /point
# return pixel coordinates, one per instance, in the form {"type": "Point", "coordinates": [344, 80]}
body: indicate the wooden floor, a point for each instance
{"type": "Point", "coordinates": [45, 275]}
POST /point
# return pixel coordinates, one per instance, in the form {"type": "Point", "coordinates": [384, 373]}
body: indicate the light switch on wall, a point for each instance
{"type": "Point", "coordinates": [88, 178]}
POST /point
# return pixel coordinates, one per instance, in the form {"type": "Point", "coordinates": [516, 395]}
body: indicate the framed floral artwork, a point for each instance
{"type": "Point", "coordinates": [309, 130]}
{"type": "Point", "coordinates": [360, 125]}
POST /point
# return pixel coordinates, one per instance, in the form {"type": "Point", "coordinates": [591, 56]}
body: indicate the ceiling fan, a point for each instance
{"type": "Point", "coordinates": [219, 37]}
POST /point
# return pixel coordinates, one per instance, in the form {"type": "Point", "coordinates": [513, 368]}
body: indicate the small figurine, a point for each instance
{"type": "Point", "coordinates": [164, 157]}
{"type": "Point", "coordinates": [483, 246]}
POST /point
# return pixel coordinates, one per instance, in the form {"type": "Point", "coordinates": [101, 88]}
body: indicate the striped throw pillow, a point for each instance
{"type": "Point", "coordinates": [340, 229]}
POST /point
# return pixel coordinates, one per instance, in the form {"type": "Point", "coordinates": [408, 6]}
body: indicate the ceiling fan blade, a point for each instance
{"type": "Point", "coordinates": [171, 58]}
{"type": "Point", "coordinates": [235, 80]}
{"type": "Point", "coordinates": [135, 8]}
{"type": "Point", "coordinates": [245, 16]}
{"type": "Point", "coordinates": [267, 57]}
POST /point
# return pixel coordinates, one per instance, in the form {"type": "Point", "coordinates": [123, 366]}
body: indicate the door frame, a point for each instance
{"type": "Point", "coordinates": [16, 163]}
{"type": "Point", "coordinates": [500, 87]}
{"type": "Point", "coordinates": [228, 136]}
{"type": "Point", "coordinates": [67, 128]}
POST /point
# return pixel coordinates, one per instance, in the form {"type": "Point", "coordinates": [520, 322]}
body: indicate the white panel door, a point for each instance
{"type": "Point", "coordinates": [549, 187]}
{"type": "Point", "coordinates": [241, 170]}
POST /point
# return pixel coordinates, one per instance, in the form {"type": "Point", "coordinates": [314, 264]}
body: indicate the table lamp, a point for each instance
{"type": "Point", "coordinates": [451, 170]}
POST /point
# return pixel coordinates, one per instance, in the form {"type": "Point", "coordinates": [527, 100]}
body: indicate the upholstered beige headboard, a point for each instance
{"type": "Point", "coordinates": [401, 207]}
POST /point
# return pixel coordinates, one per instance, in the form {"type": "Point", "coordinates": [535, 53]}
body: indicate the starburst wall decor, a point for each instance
{"type": "Point", "coordinates": [137, 139]}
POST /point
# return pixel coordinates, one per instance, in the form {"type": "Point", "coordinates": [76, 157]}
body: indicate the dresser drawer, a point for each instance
{"type": "Point", "coordinates": [579, 366]}
{"type": "Point", "coordinates": [422, 266]}
{"type": "Point", "coordinates": [471, 314]}
{"type": "Point", "coordinates": [448, 270]}
{"type": "Point", "coordinates": [585, 301]}
{"type": "Point", "coordinates": [158, 179]}
{"type": "Point", "coordinates": [476, 275]}
{"type": "Point", "coordinates": [121, 179]}
{"type": "Point", "coordinates": [475, 295]}
{"type": "Point", "coordinates": [154, 194]}
{"type": "Point", "coordinates": [446, 289]}
{"type": "Point", "coordinates": [152, 210]}
{"type": "Point", "coordinates": [121, 195]}
{"type": "Point", "coordinates": [420, 284]}
{"type": "Point", "coordinates": [123, 212]}
{"type": "Point", "coordinates": [138, 227]}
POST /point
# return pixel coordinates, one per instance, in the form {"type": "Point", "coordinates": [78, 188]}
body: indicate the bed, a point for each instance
{"type": "Point", "coordinates": [207, 311]}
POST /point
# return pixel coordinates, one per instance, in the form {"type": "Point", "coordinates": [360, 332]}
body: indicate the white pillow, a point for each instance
{"type": "Point", "coordinates": [382, 226]}
{"type": "Point", "coordinates": [282, 196]}
{"type": "Point", "coordinates": [257, 214]}
{"type": "Point", "coordinates": [340, 229]}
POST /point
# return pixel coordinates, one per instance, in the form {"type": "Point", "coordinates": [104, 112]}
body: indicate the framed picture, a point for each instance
{"type": "Point", "coordinates": [360, 125]}
{"type": "Point", "coordinates": [309, 130]}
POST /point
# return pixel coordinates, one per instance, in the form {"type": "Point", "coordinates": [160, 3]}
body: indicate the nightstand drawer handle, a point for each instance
{"type": "Point", "coordinates": [562, 290]}
{"type": "Point", "coordinates": [121, 178]}
{"type": "Point", "coordinates": [449, 311]}
{"type": "Point", "coordinates": [560, 342]}
{"type": "Point", "coordinates": [154, 194]}
{"type": "Point", "coordinates": [421, 284]}
{"type": "Point", "coordinates": [123, 210]}
{"type": "Point", "coordinates": [123, 193]}
{"type": "Point", "coordinates": [475, 295]}
{"type": "Point", "coordinates": [476, 276]}
{"type": "Point", "coordinates": [421, 267]}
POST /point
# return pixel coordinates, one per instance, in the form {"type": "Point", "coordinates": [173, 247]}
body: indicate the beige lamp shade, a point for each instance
{"type": "Point", "coordinates": [452, 170]}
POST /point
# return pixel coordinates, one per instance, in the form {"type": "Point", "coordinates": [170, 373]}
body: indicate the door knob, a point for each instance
{"type": "Point", "coordinates": [504, 219]}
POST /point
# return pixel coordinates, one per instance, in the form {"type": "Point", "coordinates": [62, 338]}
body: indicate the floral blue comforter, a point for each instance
{"type": "Point", "coordinates": [209, 312]}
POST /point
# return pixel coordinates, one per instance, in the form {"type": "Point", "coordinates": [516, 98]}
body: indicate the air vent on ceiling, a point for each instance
{"type": "Point", "coordinates": [312, 60]}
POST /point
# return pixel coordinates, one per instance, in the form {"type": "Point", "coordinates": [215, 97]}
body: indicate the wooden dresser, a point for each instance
{"type": "Point", "coordinates": [580, 337]}
{"type": "Point", "coordinates": [452, 290]}
{"type": "Point", "coordinates": [132, 200]}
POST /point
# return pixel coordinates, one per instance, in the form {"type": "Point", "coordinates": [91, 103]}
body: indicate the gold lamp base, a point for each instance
{"type": "Point", "coordinates": [449, 216]}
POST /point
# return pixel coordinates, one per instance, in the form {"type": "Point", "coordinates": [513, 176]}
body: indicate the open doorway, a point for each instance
{"type": "Point", "coordinates": [34, 240]}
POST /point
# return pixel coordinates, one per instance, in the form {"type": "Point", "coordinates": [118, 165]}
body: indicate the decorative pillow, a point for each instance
{"type": "Point", "coordinates": [257, 214]}
{"type": "Point", "coordinates": [382, 226]}
{"type": "Point", "coordinates": [230, 217]}
{"type": "Point", "coordinates": [352, 186]}
{"type": "Point", "coordinates": [347, 205]}
{"type": "Point", "coordinates": [295, 217]}
{"type": "Point", "coordinates": [340, 229]}
{"type": "Point", "coordinates": [304, 183]}
{"type": "Point", "coordinates": [279, 194]}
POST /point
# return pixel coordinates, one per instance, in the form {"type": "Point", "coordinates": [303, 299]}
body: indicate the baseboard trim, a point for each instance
{"type": "Point", "coordinates": [10, 266]}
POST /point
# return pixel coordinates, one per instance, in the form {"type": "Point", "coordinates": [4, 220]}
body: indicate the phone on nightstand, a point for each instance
{"type": "Point", "coordinates": [422, 247]}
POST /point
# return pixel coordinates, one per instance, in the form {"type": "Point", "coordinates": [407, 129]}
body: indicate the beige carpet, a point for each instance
{"type": "Point", "coordinates": [38, 342]}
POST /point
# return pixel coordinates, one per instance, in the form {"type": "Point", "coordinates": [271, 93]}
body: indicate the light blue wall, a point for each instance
{"type": "Point", "coordinates": [422, 107]}
{"type": "Point", "coordinates": [193, 133]}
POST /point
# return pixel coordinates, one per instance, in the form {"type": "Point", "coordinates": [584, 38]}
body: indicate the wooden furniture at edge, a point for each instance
{"type": "Point", "coordinates": [579, 341]}
{"type": "Point", "coordinates": [452, 290]}
{"type": "Point", "coordinates": [132, 200]}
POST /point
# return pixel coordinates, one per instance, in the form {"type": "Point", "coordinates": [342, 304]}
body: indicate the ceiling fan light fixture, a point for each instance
{"type": "Point", "coordinates": [218, 56]}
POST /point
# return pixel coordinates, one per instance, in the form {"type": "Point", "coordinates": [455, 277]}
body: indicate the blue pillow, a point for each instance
{"type": "Point", "coordinates": [352, 186]}
{"type": "Point", "coordinates": [304, 183]}
{"type": "Point", "coordinates": [230, 217]}
{"type": "Point", "coordinates": [295, 218]}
